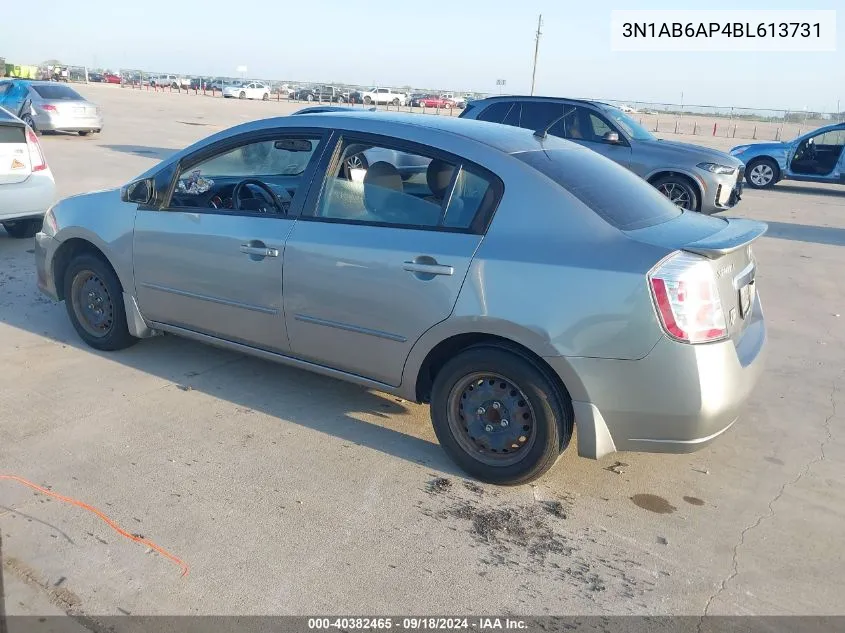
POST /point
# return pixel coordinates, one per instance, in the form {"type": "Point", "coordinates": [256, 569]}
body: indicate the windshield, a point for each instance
{"type": "Point", "coordinates": [57, 92]}
{"type": "Point", "coordinates": [631, 127]}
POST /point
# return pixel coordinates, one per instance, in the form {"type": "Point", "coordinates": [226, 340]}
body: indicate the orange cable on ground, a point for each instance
{"type": "Point", "coordinates": [108, 521]}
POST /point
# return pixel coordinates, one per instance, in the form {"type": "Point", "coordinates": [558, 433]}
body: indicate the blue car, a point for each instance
{"type": "Point", "coordinates": [813, 157]}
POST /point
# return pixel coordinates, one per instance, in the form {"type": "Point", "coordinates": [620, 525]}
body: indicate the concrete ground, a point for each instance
{"type": "Point", "coordinates": [289, 493]}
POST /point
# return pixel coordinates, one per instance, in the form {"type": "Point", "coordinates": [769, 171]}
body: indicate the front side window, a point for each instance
{"type": "Point", "coordinates": [257, 177]}
{"type": "Point", "coordinates": [386, 186]}
{"type": "Point", "coordinates": [631, 127]}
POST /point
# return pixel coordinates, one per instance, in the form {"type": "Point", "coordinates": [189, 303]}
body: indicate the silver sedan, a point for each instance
{"type": "Point", "coordinates": [522, 286]}
{"type": "Point", "coordinates": [48, 106]}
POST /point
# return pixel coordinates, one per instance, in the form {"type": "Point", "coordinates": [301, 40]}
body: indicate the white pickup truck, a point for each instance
{"type": "Point", "coordinates": [170, 80]}
{"type": "Point", "coordinates": [384, 96]}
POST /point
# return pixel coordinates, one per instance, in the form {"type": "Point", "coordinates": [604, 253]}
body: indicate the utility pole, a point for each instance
{"type": "Point", "coordinates": [536, 50]}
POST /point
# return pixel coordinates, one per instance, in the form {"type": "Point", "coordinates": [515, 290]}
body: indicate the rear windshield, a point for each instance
{"type": "Point", "coordinates": [57, 92]}
{"type": "Point", "coordinates": [620, 197]}
{"type": "Point", "coordinates": [12, 134]}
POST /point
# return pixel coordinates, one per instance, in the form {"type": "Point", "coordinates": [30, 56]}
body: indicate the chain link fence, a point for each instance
{"type": "Point", "coordinates": [726, 121]}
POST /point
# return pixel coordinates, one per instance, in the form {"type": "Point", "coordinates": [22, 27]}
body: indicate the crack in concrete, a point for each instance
{"type": "Point", "coordinates": [770, 511]}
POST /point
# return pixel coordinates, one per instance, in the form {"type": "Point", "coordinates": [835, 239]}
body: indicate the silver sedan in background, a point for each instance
{"type": "Point", "coordinates": [48, 106]}
{"type": "Point", "coordinates": [522, 285]}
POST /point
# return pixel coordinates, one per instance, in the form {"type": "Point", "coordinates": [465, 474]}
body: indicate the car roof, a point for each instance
{"type": "Point", "coordinates": [504, 138]}
{"type": "Point", "coordinates": [536, 98]}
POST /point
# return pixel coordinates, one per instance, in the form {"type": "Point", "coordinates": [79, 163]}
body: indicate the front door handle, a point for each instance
{"type": "Point", "coordinates": [258, 250]}
{"type": "Point", "coordinates": [428, 269]}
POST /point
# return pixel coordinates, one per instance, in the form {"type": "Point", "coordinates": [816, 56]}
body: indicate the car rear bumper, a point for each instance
{"type": "Point", "coordinates": [45, 250]}
{"type": "Point", "coordinates": [28, 199]}
{"type": "Point", "coordinates": [68, 123]}
{"type": "Point", "coordinates": [677, 399]}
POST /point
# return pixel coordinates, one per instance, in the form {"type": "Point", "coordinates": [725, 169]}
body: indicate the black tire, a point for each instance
{"type": "Point", "coordinates": [679, 190]}
{"type": "Point", "coordinates": [396, 102]}
{"type": "Point", "coordinates": [21, 229]}
{"type": "Point", "coordinates": [309, 97]}
{"type": "Point", "coordinates": [548, 425]}
{"type": "Point", "coordinates": [368, 100]}
{"type": "Point", "coordinates": [114, 337]}
{"type": "Point", "coordinates": [242, 95]}
{"type": "Point", "coordinates": [84, 133]}
{"type": "Point", "coordinates": [266, 97]}
{"type": "Point", "coordinates": [762, 167]}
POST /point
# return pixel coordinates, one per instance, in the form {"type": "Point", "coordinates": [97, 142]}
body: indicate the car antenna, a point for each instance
{"type": "Point", "coordinates": [541, 133]}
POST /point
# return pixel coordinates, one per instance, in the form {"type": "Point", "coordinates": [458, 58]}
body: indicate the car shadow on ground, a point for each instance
{"type": "Point", "coordinates": [142, 150]}
{"type": "Point", "coordinates": [810, 189]}
{"type": "Point", "coordinates": [297, 396]}
{"type": "Point", "coordinates": [829, 235]}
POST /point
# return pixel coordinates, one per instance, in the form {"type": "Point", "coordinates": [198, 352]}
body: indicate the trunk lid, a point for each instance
{"type": "Point", "coordinates": [727, 244]}
{"type": "Point", "coordinates": [15, 164]}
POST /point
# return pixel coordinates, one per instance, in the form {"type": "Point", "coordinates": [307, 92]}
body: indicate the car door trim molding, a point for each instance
{"type": "Point", "coordinates": [398, 338]}
{"type": "Point", "coordinates": [225, 302]}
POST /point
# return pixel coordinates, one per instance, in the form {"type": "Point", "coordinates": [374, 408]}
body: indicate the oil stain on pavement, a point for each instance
{"type": "Point", "coordinates": [653, 503]}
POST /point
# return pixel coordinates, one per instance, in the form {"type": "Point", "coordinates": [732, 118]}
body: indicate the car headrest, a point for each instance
{"type": "Point", "coordinates": [381, 182]}
{"type": "Point", "coordinates": [439, 175]}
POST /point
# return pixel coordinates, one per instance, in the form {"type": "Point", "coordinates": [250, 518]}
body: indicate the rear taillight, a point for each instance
{"type": "Point", "coordinates": [49, 108]}
{"type": "Point", "coordinates": [685, 293]}
{"type": "Point", "coordinates": [36, 156]}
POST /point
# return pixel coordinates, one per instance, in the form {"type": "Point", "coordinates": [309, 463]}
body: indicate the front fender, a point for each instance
{"type": "Point", "coordinates": [103, 220]}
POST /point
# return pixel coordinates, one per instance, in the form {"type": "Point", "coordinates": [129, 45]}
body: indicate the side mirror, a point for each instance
{"type": "Point", "coordinates": [139, 192]}
{"type": "Point", "coordinates": [611, 137]}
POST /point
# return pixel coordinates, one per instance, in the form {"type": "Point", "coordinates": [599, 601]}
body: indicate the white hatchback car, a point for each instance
{"type": "Point", "coordinates": [250, 90]}
{"type": "Point", "coordinates": [27, 187]}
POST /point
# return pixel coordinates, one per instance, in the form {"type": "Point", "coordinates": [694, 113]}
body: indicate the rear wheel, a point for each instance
{"type": "Point", "coordinates": [498, 416]}
{"type": "Point", "coordinates": [396, 102]}
{"type": "Point", "coordinates": [679, 191]}
{"type": "Point", "coordinates": [368, 100]}
{"type": "Point", "coordinates": [266, 96]}
{"type": "Point", "coordinates": [20, 229]}
{"type": "Point", "coordinates": [309, 97]}
{"type": "Point", "coordinates": [761, 173]}
{"type": "Point", "coordinates": [94, 302]}
{"type": "Point", "coordinates": [242, 95]}
{"type": "Point", "coordinates": [84, 132]}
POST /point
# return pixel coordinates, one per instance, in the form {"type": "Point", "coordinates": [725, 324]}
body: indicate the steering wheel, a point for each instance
{"type": "Point", "coordinates": [277, 202]}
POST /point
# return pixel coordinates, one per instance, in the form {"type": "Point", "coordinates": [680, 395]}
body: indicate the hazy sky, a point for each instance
{"type": "Point", "coordinates": [445, 44]}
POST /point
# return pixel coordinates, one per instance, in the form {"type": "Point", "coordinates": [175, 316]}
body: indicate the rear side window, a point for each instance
{"type": "Point", "coordinates": [536, 115]}
{"type": "Point", "coordinates": [496, 112]}
{"type": "Point", "coordinates": [620, 197]}
{"type": "Point", "coordinates": [57, 92]}
{"type": "Point", "coordinates": [12, 134]}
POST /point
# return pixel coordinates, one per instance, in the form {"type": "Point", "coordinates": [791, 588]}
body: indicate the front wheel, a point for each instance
{"type": "Point", "coordinates": [499, 417]}
{"type": "Point", "coordinates": [679, 191]}
{"type": "Point", "coordinates": [368, 100]}
{"type": "Point", "coordinates": [94, 302]}
{"type": "Point", "coordinates": [27, 118]}
{"type": "Point", "coordinates": [761, 173]}
{"type": "Point", "coordinates": [242, 95]}
{"type": "Point", "coordinates": [396, 102]}
{"type": "Point", "coordinates": [21, 229]}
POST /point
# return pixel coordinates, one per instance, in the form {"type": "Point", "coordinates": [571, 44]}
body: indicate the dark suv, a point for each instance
{"type": "Point", "coordinates": [325, 94]}
{"type": "Point", "coordinates": [691, 176]}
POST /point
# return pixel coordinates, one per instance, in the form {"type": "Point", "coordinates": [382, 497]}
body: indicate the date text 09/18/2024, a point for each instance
{"type": "Point", "coordinates": [417, 624]}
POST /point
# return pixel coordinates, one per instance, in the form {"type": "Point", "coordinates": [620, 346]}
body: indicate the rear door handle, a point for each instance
{"type": "Point", "coordinates": [428, 269]}
{"type": "Point", "coordinates": [261, 251]}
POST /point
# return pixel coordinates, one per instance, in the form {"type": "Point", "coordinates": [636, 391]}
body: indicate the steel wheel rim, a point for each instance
{"type": "Point", "coordinates": [491, 418]}
{"type": "Point", "coordinates": [761, 175]}
{"type": "Point", "coordinates": [677, 194]}
{"type": "Point", "coordinates": [92, 304]}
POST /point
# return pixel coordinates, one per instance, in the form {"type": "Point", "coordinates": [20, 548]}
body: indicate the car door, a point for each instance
{"type": "Point", "coordinates": [816, 157]}
{"type": "Point", "coordinates": [205, 265]}
{"type": "Point", "coordinates": [375, 261]}
{"type": "Point", "coordinates": [15, 97]}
